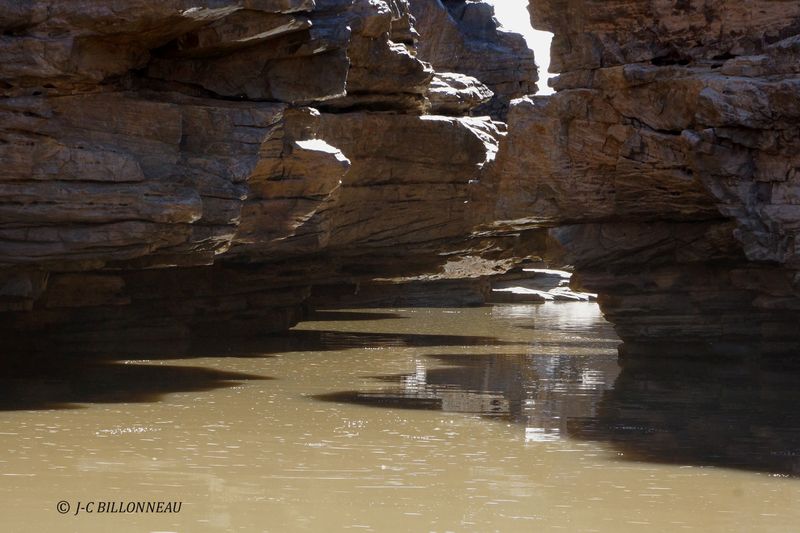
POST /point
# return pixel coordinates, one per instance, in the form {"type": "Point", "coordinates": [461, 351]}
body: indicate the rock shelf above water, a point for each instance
{"type": "Point", "coordinates": [174, 168]}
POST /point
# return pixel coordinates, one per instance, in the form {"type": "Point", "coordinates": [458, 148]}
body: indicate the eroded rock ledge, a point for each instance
{"type": "Point", "coordinates": [180, 167]}
{"type": "Point", "coordinates": [175, 168]}
{"type": "Point", "coordinates": [667, 164]}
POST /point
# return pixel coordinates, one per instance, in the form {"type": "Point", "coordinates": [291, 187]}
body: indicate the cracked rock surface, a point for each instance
{"type": "Point", "coordinates": [174, 167]}
{"type": "Point", "coordinates": [667, 166]}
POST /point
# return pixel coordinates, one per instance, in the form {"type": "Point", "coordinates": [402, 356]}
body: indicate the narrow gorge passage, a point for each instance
{"type": "Point", "coordinates": [324, 265]}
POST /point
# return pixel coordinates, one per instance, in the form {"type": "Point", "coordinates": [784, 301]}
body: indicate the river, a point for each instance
{"type": "Point", "coordinates": [504, 418]}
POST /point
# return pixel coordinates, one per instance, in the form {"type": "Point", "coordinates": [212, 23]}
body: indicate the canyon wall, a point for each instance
{"type": "Point", "coordinates": [183, 167]}
{"type": "Point", "coordinates": [667, 165]}
{"type": "Point", "coordinates": [193, 167]}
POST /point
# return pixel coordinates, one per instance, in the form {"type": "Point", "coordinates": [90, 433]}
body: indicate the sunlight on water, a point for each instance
{"type": "Point", "coordinates": [505, 418]}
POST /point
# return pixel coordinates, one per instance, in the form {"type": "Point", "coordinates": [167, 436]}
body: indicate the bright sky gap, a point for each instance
{"type": "Point", "coordinates": [513, 16]}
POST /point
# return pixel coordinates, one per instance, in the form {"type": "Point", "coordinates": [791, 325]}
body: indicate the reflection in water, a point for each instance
{"type": "Point", "coordinates": [524, 423]}
{"type": "Point", "coordinates": [65, 384]}
{"type": "Point", "coordinates": [581, 318]}
{"type": "Point", "coordinates": [62, 379]}
{"type": "Point", "coordinates": [561, 373]}
{"type": "Point", "coordinates": [351, 316]}
{"type": "Point", "coordinates": [542, 392]}
{"type": "Point", "coordinates": [731, 414]}
{"type": "Point", "coordinates": [707, 413]}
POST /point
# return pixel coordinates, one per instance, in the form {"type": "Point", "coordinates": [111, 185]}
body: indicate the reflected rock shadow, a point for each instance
{"type": "Point", "coordinates": [739, 414]}
{"type": "Point", "coordinates": [316, 340]}
{"type": "Point", "coordinates": [66, 378]}
{"type": "Point", "coordinates": [59, 384]}
{"type": "Point", "coordinates": [538, 391]}
{"type": "Point", "coordinates": [297, 340]}
{"type": "Point", "coordinates": [350, 316]}
{"type": "Point", "coordinates": [733, 414]}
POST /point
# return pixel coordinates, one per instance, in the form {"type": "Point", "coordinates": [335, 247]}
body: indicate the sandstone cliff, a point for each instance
{"type": "Point", "coordinates": [667, 162]}
{"type": "Point", "coordinates": [175, 167]}
{"type": "Point", "coordinates": [181, 166]}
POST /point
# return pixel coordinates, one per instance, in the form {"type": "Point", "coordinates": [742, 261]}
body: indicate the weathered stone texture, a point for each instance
{"type": "Point", "coordinates": [409, 194]}
{"type": "Point", "coordinates": [174, 167]}
{"type": "Point", "coordinates": [180, 166]}
{"type": "Point", "coordinates": [592, 34]}
{"type": "Point", "coordinates": [451, 93]}
{"type": "Point", "coordinates": [96, 179]}
{"type": "Point", "coordinates": [463, 36]}
{"type": "Point", "coordinates": [668, 161]}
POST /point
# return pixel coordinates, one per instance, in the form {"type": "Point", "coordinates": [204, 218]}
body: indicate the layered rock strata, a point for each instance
{"type": "Point", "coordinates": [667, 163]}
{"type": "Point", "coordinates": [179, 167]}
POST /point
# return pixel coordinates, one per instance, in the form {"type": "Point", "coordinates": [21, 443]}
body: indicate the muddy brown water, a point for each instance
{"type": "Point", "coordinates": [505, 418]}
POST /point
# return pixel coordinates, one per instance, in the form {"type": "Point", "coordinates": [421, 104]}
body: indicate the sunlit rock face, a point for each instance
{"type": "Point", "coordinates": [175, 167]}
{"type": "Point", "coordinates": [463, 36]}
{"type": "Point", "coordinates": [180, 166]}
{"type": "Point", "coordinates": [668, 161]}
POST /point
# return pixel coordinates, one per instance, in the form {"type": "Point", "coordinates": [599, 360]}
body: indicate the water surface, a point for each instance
{"type": "Point", "coordinates": [505, 418]}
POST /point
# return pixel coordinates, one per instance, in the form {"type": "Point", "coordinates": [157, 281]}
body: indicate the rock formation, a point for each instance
{"type": "Point", "coordinates": [175, 167]}
{"type": "Point", "coordinates": [667, 164]}
{"type": "Point", "coordinates": [197, 166]}
{"type": "Point", "coordinates": [463, 36]}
